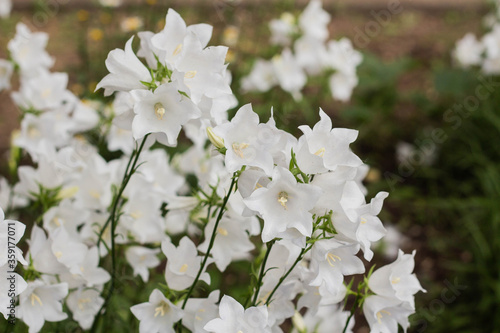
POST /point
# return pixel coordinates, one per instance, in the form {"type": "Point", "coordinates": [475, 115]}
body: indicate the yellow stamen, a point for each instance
{"type": "Point", "coordinates": [238, 148]}
{"type": "Point", "coordinates": [190, 74]}
{"type": "Point", "coordinates": [177, 50]}
{"type": "Point", "coordinates": [183, 268]}
{"type": "Point", "coordinates": [320, 152]}
{"type": "Point", "coordinates": [82, 301]}
{"type": "Point", "coordinates": [257, 186]}
{"type": "Point", "coordinates": [283, 198]}
{"type": "Point", "coordinates": [34, 297]}
{"type": "Point", "coordinates": [363, 220]}
{"type": "Point", "coordinates": [159, 111]}
{"type": "Point", "coordinates": [56, 220]}
{"type": "Point", "coordinates": [162, 308]}
{"type": "Point", "coordinates": [58, 254]}
{"type": "Point", "coordinates": [395, 280]}
{"type": "Point", "coordinates": [136, 215]}
{"type": "Point", "coordinates": [222, 231]}
{"type": "Point", "coordinates": [331, 258]}
{"type": "Point", "coordinates": [379, 315]}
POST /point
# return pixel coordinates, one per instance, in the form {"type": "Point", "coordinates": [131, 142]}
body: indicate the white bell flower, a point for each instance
{"type": "Point", "coordinates": [290, 75]}
{"type": "Point", "coordinates": [328, 318]}
{"type": "Point", "coordinates": [27, 49]}
{"type": "Point", "coordinates": [165, 110]}
{"type": "Point", "coordinates": [261, 77]}
{"type": "Point", "coordinates": [41, 302]}
{"type": "Point", "coordinates": [468, 51]}
{"type": "Point", "coordinates": [158, 315]}
{"type": "Point", "coordinates": [314, 21]}
{"type": "Point", "coordinates": [232, 241]}
{"type": "Point", "coordinates": [183, 263]}
{"type": "Point", "coordinates": [283, 29]}
{"type": "Point", "coordinates": [5, 8]}
{"type": "Point", "coordinates": [247, 141]}
{"type": "Point", "coordinates": [126, 71]}
{"type": "Point", "coordinates": [142, 259]}
{"type": "Point", "coordinates": [234, 318]}
{"type": "Point", "coordinates": [88, 269]}
{"type": "Point", "coordinates": [199, 311]}
{"type": "Point", "coordinates": [396, 280]}
{"type": "Point", "coordinates": [384, 314]}
{"type": "Point", "coordinates": [342, 84]}
{"type": "Point", "coordinates": [331, 261]}
{"type": "Point", "coordinates": [284, 205]}
{"type": "Point", "coordinates": [84, 304]}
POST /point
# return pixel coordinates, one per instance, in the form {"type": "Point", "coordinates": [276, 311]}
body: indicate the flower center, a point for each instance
{"type": "Point", "coordinates": [82, 302]}
{"type": "Point", "coordinates": [283, 198]}
{"type": "Point", "coordinates": [395, 280]}
{"type": "Point", "coordinates": [161, 309]}
{"type": "Point", "coordinates": [183, 268]}
{"type": "Point", "coordinates": [331, 258]}
{"type": "Point", "coordinates": [379, 315]}
{"type": "Point", "coordinates": [238, 148]}
{"type": "Point", "coordinates": [190, 74]}
{"type": "Point", "coordinates": [320, 152]}
{"type": "Point", "coordinates": [34, 297]}
{"type": "Point", "coordinates": [177, 50]}
{"type": "Point", "coordinates": [222, 231]}
{"type": "Point", "coordinates": [159, 111]}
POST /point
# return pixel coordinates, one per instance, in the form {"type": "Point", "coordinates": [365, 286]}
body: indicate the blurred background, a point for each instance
{"type": "Point", "coordinates": [426, 140]}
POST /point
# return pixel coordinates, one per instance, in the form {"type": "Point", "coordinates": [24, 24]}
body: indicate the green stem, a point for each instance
{"type": "Point", "coordinates": [262, 271]}
{"type": "Point", "coordinates": [129, 171]}
{"type": "Point", "coordinates": [299, 258]}
{"type": "Point", "coordinates": [212, 240]}
{"type": "Point", "coordinates": [353, 310]}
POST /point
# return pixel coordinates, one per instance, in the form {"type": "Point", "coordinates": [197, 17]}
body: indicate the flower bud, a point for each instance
{"type": "Point", "coordinates": [216, 140]}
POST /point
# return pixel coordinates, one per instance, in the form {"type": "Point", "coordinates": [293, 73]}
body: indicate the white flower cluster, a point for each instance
{"type": "Point", "coordinates": [302, 197]}
{"type": "Point", "coordinates": [484, 52]}
{"type": "Point", "coordinates": [311, 54]}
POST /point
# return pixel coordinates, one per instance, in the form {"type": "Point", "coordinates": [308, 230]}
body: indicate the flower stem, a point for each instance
{"type": "Point", "coordinates": [353, 310]}
{"type": "Point", "coordinates": [299, 258]}
{"type": "Point", "coordinates": [262, 271]}
{"type": "Point", "coordinates": [112, 219]}
{"type": "Point", "coordinates": [212, 240]}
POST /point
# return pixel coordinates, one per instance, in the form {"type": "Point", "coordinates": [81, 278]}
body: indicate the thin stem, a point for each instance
{"type": "Point", "coordinates": [299, 258]}
{"type": "Point", "coordinates": [262, 271]}
{"type": "Point", "coordinates": [212, 240]}
{"type": "Point", "coordinates": [353, 310]}
{"type": "Point", "coordinates": [129, 171]}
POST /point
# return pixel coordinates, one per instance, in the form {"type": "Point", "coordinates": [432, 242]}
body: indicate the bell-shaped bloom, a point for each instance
{"type": "Point", "coordinates": [27, 49]}
{"type": "Point", "coordinates": [163, 111]}
{"type": "Point", "coordinates": [384, 314]}
{"type": "Point", "coordinates": [331, 261]}
{"type": "Point", "coordinates": [247, 141]}
{"type": "Point", "coordinates": [314, 21]}
{"type": "Point", "coordinates": [396, 280]}
{"type": "Point", "coordinates": [261, 78]}
{"type": "Point", "coordinates": [234, 318]}
{"type": "Point", "coordinates": [199, 311]}
{"type": "Point", "coordinates": [290, 75]}
{"type": "Point", "coordinates": [41, 302]}
{"type": "Point", "coordinates": [158, 315]}
{"type": "Point", "coordinates": [84, 304]}
{"type": "Point", "coordinates": [284, 205]}
{"type": "Point", "coordinates": [142, 259]}
{"type": "Point", "coordinates": [126, 71]}
{"type": "Point", "coordinates": [183, 263]}
{"type": "Point", "coordinates": [322, 148]}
